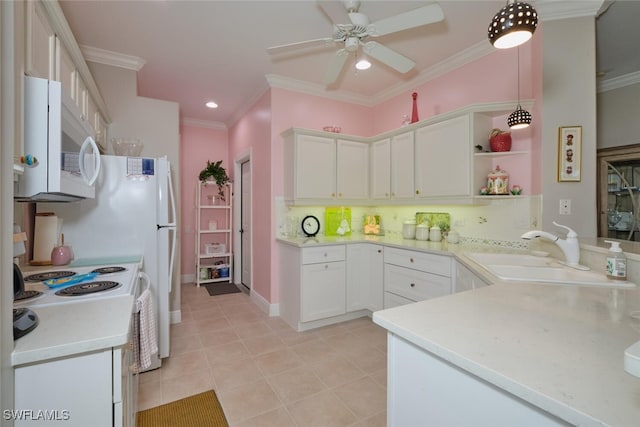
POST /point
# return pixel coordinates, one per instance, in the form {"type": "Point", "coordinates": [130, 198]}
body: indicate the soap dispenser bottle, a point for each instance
{"type": "Point", "coordinates": [616, 262]}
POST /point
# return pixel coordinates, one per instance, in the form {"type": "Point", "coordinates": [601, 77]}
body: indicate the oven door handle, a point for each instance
{"type": "Point", "coordinates": [147, 281]}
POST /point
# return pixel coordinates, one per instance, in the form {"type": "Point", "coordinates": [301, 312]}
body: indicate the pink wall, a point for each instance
{"type": "Point", "coordinates": [252, 133]}
{"type": "Point", "coordinates": [197, 146]}
{"type": "Point", "coordinates": [492, 78]}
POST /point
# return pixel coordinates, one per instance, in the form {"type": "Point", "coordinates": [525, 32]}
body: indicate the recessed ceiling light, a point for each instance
{"type": "Point", "coordinates": [211, 104]}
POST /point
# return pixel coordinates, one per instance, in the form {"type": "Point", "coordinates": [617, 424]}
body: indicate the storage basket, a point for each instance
{"type": "Point", "coordinates": [214, 248]}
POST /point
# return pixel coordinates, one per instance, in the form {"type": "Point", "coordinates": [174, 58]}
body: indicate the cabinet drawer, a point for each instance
{"type": "Point", "coordinates": [323, 254]}
{"type": "Point", "coordinates": [429, 263]}
{"type": "Point", "coordinates": [413, 284]}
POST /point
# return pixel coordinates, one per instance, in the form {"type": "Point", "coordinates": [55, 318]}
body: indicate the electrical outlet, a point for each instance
{"type": "Point", "coordinates": [565, 206]}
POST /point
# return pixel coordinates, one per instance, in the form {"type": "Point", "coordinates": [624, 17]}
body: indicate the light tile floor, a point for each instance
{"type": "Point", "coordinates": [267, 374]}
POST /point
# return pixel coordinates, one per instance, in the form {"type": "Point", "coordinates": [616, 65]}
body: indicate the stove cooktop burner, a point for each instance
{"type": "Point", "coordinates": [88, 288]}
{"type": "Point", "coordinates": [39, 277]}
{"type": "Point", "coordinates": [25, 295]}
{"type": "Point", "coordinates": [108, 270]}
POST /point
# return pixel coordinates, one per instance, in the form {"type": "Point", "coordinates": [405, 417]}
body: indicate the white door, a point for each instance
{"type": "Point", "coordinates": [245, 224]}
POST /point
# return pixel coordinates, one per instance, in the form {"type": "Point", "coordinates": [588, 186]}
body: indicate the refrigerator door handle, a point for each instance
{"type": "Point", "coordinates": [172, 259]}
{"type": "Point", "coordinates": [172, 225]}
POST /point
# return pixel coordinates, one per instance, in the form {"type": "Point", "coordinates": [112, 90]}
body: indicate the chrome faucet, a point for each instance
{"type": "Point", "coordinates": [570, 246]}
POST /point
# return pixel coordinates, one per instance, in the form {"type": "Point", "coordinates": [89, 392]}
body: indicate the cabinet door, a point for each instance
{"type": "Point", "coordinates": [442, 159]}
{"type": "Point", "coordinates": [466, 279]}
{"type": "Point", "coordinates": [40, 44]}
{"type": "Point", "coordinates": [380, 159]}
{"type": "Point", "coordinates": [65, 70]}
{"type": "Point", "coordinates": [315, 163]}
{"type": "Point", "coordinates": [402, 166]}
{"type": "Point", "coordinates": [323, 292]}
{"type": "Point", "coordinates": [365, 274]}
{"type": "Point", "coordinates": [352, 179]}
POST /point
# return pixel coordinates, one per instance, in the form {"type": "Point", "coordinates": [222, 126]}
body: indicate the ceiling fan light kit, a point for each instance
{"type": "Point", "coordinates": [353, 29]}
{"type": "Point", "coordinates": [513, 25]}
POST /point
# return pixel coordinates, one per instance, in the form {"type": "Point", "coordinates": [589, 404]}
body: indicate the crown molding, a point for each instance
{"type": "Point", "coordinates": [552, 10]}
{"type": "Point", "coordinates": [451, 63]}
{"type": "Point", "coordinates": [282, 82]}
{"type": "Point", "coordinates": [208, 124]}
{"type": "Point", "coordinates": [619, 82]}
{"type": "Point", "coordinates": [107, 57]}
{"type": "Point", "coordinates": [247, 104]}
{"type": "Point", "coordinates": [463, 57]}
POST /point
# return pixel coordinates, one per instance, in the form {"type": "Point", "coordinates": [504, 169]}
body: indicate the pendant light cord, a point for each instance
{"type": "Point", "coordinates": [519, 77]}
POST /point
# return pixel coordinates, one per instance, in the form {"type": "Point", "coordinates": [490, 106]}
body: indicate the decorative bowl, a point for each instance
{"type": "Point", "coordinates": [131, 147]}
{"type": "Point", "coordinates": [334, 129]}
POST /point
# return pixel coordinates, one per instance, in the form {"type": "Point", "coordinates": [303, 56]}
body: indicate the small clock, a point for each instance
{"type": "Point", "coordinates": [310, 225]}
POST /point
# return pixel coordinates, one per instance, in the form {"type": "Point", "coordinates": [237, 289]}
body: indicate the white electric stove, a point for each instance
{"type": "Point", "coordinates": [100, 281]}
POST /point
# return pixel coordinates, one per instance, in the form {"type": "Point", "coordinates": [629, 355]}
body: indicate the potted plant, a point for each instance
{"type": "Point", "coordinates": [215, 172]}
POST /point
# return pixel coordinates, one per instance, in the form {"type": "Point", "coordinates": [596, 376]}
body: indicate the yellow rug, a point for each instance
{"type": "Point", "coordinates": [200, 410]}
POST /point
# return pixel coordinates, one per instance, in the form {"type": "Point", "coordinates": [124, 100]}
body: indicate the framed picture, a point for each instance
{"type": "Point", "coordinates": [569, 153]}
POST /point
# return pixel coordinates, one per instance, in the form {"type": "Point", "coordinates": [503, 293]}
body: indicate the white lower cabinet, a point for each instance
{"type": "Point", "coordinates": [425, 390]}
{"type": "Point", "coordinates": [95, 389]}
{"type": "Point", "coordinates": [323, 290]}
{"type": "Point", "coordinates": [465, 279]}
{"type": "Point", "coordinates": [411, 276]}
{"type": "Point", "coordinates": [365, 273]}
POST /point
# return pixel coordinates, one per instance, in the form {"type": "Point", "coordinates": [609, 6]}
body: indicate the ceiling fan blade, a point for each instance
{"type": "Point", "coordinates": [335, 10]}
{"type": "Point", "coordinates": [324, 42]}
{"type": "Point", "coordinates": [336, 66]}
{"type": "Point", "coordinates": [404, 21]}
{"type": "Point", "coordinates": [388, 56]}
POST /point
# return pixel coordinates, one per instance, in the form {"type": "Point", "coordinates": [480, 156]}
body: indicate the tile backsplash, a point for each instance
{"type": "Point", "coordinates": [500, 220]}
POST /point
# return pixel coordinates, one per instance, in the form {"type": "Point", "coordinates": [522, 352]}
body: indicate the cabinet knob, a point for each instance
{"type": "Point", "coordinates": [326, 254]}
{"type": "Point", "coordinates": [326, 266]}
{"type": "Point", "coordinates": [413, 285]}
{"type": "Point", "coordinates": [386, 194]}
{"type": "Point", "coordinates": [417, 191]}
{"type": "Point", "coordinates": [333, 194]}
{"type": "Point", "coordinates": [411, 260]}
{"type": "Point", "coordinates": [379, 251]}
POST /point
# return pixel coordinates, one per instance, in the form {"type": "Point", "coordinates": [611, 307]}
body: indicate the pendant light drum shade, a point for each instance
{"type": "Point", "coordinates": [519, 119]}
{"type": "Point", "coordinates": [513, 25]}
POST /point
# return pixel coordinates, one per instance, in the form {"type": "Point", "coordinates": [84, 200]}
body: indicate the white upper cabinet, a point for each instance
{"type": "Point", "coordinates": [65, 70]}
{"type": "Point", "coordinates": [352, 179]}
{"type": "Point", "coordinates": [40, 43]}
{"type": "Point", "coordinates": [321, 168]}
{"type": "Point", "coordinates": [432, 161]}
{"type": "Point", "coordinates": [443, 159]}
{"type": "Point", "coordinates": [380, 169]}
{"type": "Point", "coordinates": [402, 152]}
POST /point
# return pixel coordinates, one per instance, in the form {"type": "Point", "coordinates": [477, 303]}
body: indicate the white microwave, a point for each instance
{"type": "Point", "coordinates": [67, 159]}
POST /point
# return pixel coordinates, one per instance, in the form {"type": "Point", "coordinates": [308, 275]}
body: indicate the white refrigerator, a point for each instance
{"type": "Point", "coordinates": [133, 213]}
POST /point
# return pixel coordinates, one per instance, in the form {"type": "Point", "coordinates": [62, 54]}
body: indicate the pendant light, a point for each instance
{"type": "Point", "coordinates": [513, 25]}
{"type": "Point", "coordinates": [520, 118]}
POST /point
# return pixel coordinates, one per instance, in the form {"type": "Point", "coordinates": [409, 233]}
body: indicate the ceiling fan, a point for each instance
{"type": "Point", "coordinates": [352, 30]}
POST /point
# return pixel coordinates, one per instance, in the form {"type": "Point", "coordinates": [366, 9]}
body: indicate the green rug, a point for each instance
{"type": "Point", "coordinates": [200, 410]}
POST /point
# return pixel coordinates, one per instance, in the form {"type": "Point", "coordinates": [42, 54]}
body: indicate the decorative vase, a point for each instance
{"type": "Point", "coordinates": [499, 140]}
{"type": "Point", "coordinates": [414, 112]}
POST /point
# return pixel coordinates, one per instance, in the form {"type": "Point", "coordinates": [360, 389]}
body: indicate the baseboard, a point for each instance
{"type": "Point", "coordinates": [271, 309]}
{"type": "Point", "coordinates": [188, 278]}
{"type": "Point", "coordinates": [175, 316]}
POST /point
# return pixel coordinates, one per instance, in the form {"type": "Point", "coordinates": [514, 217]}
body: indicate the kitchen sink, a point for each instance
{"type": "Point", "coordinates": [531, 268]}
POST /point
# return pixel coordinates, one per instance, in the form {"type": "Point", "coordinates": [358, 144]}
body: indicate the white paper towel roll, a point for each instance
{"type": "Point", "coordinates": [45, 238]}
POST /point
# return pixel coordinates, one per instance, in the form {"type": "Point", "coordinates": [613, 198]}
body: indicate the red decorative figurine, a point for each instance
{"type": "Point", "coordinates": [414, 113]}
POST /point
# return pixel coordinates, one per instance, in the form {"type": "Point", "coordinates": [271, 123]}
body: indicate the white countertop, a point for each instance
{"type": "Point", "coordinates": [558, 347]}
{"type": "Point", "coordinates": [70, 329]}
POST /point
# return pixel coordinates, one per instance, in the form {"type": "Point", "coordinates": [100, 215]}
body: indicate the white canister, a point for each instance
{"type": "Point", "coordinates": [453, 237]}
{"type": "Point", "coordinates": [435, 234]}
{"type": "Point", "coordinates": [409, 229]}
{"type": "Point", "coordinates": [422, 232]}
